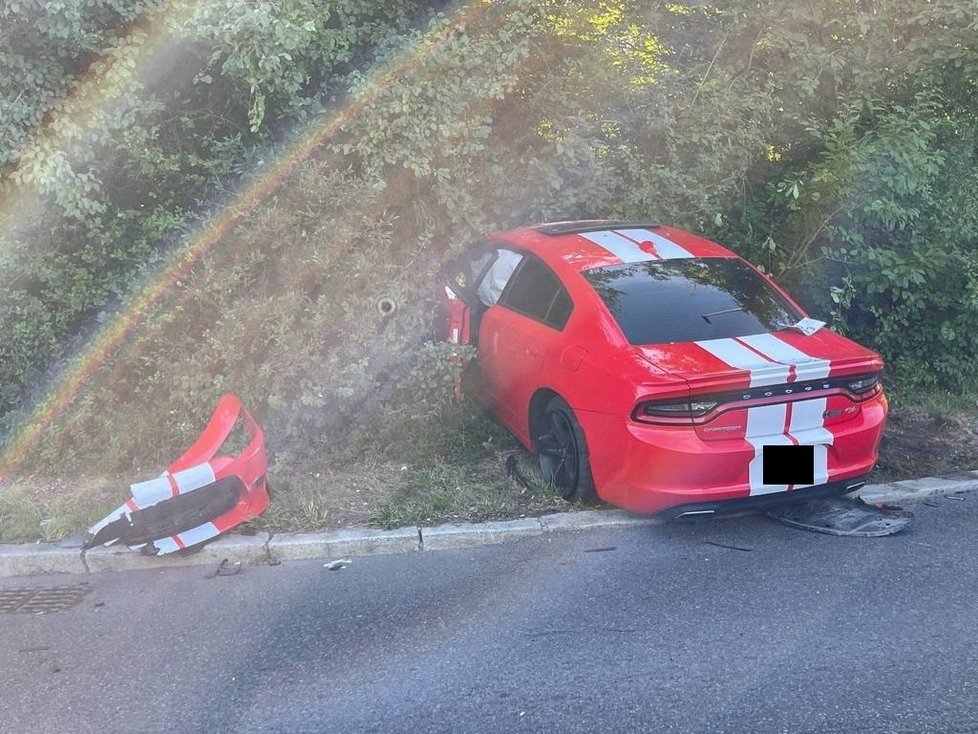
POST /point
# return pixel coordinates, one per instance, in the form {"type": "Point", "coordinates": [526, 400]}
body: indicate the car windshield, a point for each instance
{"type": "Point", "coordinates": [660, 302]}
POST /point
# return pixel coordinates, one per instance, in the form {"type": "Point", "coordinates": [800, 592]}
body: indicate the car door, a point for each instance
{"type": "Point", "coordinates": [473, 283]}
{"type": "Point", "coordinates": [516, 337]}
{"type": "Point", "coordinates": [457, 292]}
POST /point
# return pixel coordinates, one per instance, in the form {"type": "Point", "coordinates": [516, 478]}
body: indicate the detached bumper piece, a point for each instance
{"type": "Point", "coordinates": [848, 516]}
{"type": "Point", "coordinates": [200, 495]}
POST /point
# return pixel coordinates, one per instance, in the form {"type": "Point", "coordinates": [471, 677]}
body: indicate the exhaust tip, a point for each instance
{"type": "Point", "coordinates": [854, 486]}
{"type": "Point", "coordinates": [695, 513]}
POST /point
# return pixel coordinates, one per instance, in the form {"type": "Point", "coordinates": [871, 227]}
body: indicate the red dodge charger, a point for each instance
{"type": "Point", "coordinates": [659, 371]}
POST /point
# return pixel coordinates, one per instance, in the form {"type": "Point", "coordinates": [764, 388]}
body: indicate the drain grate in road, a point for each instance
{"type": "Point", "coordinates": [42, 599]}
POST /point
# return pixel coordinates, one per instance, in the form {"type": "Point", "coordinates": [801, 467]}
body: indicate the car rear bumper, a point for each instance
{"type": "Point", "coordinates": [704, 510]}
{"type": "Point", "coordinates": [650, 469]}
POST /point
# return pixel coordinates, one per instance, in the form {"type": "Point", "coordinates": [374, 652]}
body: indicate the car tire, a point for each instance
{"type": "Point", "coordinates": [563, 453]}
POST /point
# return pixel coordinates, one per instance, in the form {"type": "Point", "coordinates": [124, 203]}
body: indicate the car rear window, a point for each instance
{"type": "Point", "coordinates": [660, 302]}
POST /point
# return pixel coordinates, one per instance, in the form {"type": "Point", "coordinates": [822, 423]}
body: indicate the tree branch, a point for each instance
{"type": "Point", "coordinates": [710, 67]}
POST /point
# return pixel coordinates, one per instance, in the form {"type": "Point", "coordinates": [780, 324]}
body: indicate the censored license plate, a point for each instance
{"type": "Point", "coordinates": [789, 465]}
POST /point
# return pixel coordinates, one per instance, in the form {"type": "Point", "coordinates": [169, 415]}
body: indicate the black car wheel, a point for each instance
{"type": "Point", "coordinates": [564, 459]}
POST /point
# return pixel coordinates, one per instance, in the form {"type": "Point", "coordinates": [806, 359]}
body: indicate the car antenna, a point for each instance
{"type": "Point", "coordinates": [706, 316]}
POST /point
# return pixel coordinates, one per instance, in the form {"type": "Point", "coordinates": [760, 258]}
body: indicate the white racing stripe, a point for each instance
{"type": "Point", "coordinates": [806, 367]}
{"type": "Point", "coordinates": [151, 492]}
{"type": "Point", "coordinates": [765, 426]}
{"type": "Point", "coordinates": [123, 511]}
{"type": "Point", "coordinates": [195, 477]}
{"type": "Point", "coordinates": [188, 538]}
{"type": "Point", "coordinates": [807, 425]}
{"type": "Point", "coordinates": [621, 247]}
{"type": "Point", "coordinates": [166, 545]}
{"type": "Point", "coordinates": [766, 423]}
{"type": "Point", "coordinates": [199, 534]}
{"type": "Point", "coordinates": [666, 248]}
{"type": "Point", "coordinates": [736, 355]}
{"type": "Point", "coordinates": [625, 244]}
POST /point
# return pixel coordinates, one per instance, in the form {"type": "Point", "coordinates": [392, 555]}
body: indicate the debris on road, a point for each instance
{"type": "Point", "coordinates": [337, 564]}
{"type": "Point", "coordinates": [848, 516]}
{"type": "Point", "coordinates": [200, 495]}
{"type": "Point", "coordinates": [225, 569]}
{"type": "Point", "coordinates": [728, 547]}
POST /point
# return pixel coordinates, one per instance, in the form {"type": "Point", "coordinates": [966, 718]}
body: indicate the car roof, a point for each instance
{"type": "Point", "coordinates": [594, 243]}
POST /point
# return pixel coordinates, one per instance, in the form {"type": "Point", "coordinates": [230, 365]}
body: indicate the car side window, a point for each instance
{"type": "Point", "coordinates": [535, 291]}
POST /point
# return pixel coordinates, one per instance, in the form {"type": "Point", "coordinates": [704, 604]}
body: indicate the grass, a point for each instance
{"type": "Point", "coordinates": [445, 466]}
{"type": "Point", "coordinates": [449, 465]}
{"type": "Point", "coordinates": [453, 493]}
{"type": "Point", "coordinates": [48, 509]}
{"type": "Point", "coordinates": [357, 409]}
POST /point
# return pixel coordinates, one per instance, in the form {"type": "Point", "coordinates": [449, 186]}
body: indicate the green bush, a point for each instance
{"type": "Point", "coordinates": [106, 161]}
{"type": "Point", "coordinates": [830, 142]}
{"type": "Point", "coordinates": [879, 232]}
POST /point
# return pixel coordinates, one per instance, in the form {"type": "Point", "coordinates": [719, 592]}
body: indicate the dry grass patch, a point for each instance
{"type": "Point", "coordinates": [44, 508]}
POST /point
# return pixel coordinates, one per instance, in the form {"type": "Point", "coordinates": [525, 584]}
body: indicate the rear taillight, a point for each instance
{"type": "Point", "coordinates": [672, 410]}
{"type": "Point", "coordinates": [863, 388]}
{"type": "Point", "coordinates": [699, 408]}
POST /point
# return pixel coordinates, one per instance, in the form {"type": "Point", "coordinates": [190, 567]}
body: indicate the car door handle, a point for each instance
{"type": "Point", "coordinates": [533, 351]}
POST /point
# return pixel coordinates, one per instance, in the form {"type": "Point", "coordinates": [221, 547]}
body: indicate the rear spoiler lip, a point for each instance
{"type": "Point", "coordinates": [720, 381]}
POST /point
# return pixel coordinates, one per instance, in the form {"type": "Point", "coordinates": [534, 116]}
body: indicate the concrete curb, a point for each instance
{"type": "Point", "coordinates": [342, 543]}
{"type": "Point", "coordinates": [252, 550]}
{"type": "Point", "coordinates": [918, 489]}
{"type": "Point", "coordinates": [465, 535]}
{"type": "Point", "coordinates": [248, 550]}
{"type": "Point", "coordinates": [27, 560]}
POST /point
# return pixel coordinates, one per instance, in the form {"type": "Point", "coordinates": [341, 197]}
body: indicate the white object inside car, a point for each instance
{"type": "Point", "coordinates": [491, 287]}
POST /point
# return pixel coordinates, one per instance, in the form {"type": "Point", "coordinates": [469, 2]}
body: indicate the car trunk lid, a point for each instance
{"type": "Point", "coordinates": [767, 369]}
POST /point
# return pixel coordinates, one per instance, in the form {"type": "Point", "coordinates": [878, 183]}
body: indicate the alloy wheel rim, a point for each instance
{"type": "Point", "coordinates": [560, 448]}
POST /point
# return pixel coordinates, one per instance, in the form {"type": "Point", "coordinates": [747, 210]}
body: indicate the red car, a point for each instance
{"type": "Point", "coordinates": [659, 371]}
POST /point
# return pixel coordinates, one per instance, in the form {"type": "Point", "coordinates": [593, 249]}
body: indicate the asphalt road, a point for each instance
{"type": "Point", "coordinates": [639, 629]}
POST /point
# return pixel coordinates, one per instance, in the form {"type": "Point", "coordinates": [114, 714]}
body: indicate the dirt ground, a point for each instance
{"type": "Point", "coordinates": [917, 442]}
{"type": "Point", "coordinates": [920, 443]}
{"type": "Point", "coordinates": [477, 486]}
